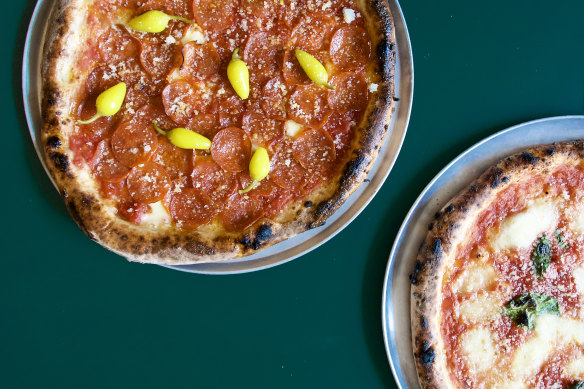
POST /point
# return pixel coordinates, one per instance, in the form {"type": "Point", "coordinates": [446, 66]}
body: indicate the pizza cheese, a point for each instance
{"type": "Point", "coordinates": [190, 131]}
{"type": "Point", "coordinates": [498, 286]}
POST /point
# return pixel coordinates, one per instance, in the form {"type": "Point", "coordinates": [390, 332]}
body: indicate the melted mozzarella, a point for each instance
{"type": "Point", "coordinates": [551, 333]}
{"type": "Point", "coordinates": [292, 128]}
{"type": "Point", "coordinates": [575, 369]}
{"type": "Point", "coordinates": [577, 216]}
{"type": "Point", "coordinates": [522, 229]}
{"type": "Point", "coordinates": [478, 347]}
{"type": "Point", "coordinates": [157, 216]}
{"type": "Point", "coordinates": [476, 277]}
{"type": "Point", "coordinates": [483, 307]}
{"type": "Point", "coordinates": [194, 34]}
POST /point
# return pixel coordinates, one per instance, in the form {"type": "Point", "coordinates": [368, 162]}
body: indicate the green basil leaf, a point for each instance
{"type": "Point", "coordinates": [541, 256]}
{"type": "Point", "coordinates": [525, 308]}
{"type": "Point", "coordinates": [560, 239]}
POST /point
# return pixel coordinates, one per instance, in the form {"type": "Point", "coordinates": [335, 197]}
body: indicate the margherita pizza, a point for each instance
{"type": "Point", "coordinates": [498, 286]}
{"type": "Point", "coordinates": [188, 131]}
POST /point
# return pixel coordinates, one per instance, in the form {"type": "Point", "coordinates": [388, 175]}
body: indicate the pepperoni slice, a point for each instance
{"type": "Point", "coordinates": [339, 127]}
{"type": "Point", "coordinates": [204, 124]}
{"type": "Point", "coordinates": [285, 171]}
{"type": "Point", "coordinates": [148, 183]}
{"type": "Point", "coordinates": [265, 188]}
{"type": "Point", "coordinates": [105, 166]}
{"type": "Point", "coordinates": [350, 47]}
{"type": "Point", "coordinates": [242, 211]}
{"type": "Point", "coordinates": [134, 141]}
{"type": "Point", "coordinates": [350, 93]}
{"type": "Point", "coordinates": [175, 161]}
{"type": "Point", "coordinates": [314, 149]}
{"type": "Point", "coordinates": [277, 201]}
{"type": "Point", "coordinates": [174, 7]}
{"type": "Point", "coordinates": [312, 32]}
{"type": "Point", "coordinates": [230, 107]}
{"type": "Point", "coordinates": [136, 99]}
{"type": "Point", "coordinates": [117, 45]}
{"type": "Point", "coordinates": [191, 208]}
{"type": "Point", "coordinates": [308, 105]}
{"type": "Point", "coordinates": [157, 59]}
{"type": "Point", "coordinates": [274, 98]}
{"type": "Point", "coordinates": [215, 15]}
{"type": "Point", "coordinates": [200, 62]}
{"type": "Point", "coordinates": [106, 76]}
{"type": "Point", "coordinates": [231, 149]}
{"type": "Point", "coordinates": [261, 56]}
{"type": "Point", "coordinates": [258, 13]}
{"type": "Point", "coordinates": [182, 100]}
{"type": "Point", "coordinates": [260, 129]}
{"type": "Point", "coordinates": [292, 71]}
{"type": "Point", "coordinates": [208, 177]}
{"type": "Point", "coordinates": [290, 13]}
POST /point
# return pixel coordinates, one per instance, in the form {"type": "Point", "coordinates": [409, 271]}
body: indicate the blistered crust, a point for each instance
{"type": "Point", "coordinates": [445, 234]}
{"type": "Point", "coordinates": [172, 245]}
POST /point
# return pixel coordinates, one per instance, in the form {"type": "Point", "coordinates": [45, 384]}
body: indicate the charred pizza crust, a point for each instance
{"type": "Point", "coordinates": [448, 230]}
{"type": "Point", "coordinates": [170, 244]}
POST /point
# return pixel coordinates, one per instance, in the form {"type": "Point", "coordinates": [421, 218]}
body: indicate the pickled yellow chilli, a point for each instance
{"type": "Point", "coordinates": [313, 68]}
{"type": "Point", "coordinates": [184, 138]}
{"type": "Point", "coordinates": [238, 75]}
{"type": "Point", "coordinates": [259, 167]}
{"type": "Point", "coordinates": [108, 103]}
{"type": "Point", "coordinates": [154, 21]}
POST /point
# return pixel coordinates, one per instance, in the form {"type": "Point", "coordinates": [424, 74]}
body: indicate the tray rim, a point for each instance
{"type": "Point", "coordinates": [391, 350]}
{"type": "Point", "coordinates": [404, 85]}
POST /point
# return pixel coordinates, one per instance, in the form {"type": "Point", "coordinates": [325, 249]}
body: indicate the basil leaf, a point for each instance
{"type": "Point", "coordinates": [541, 255]}
{"type": "Point", "coordinates": [577, 385]}
{"type": "Point", "coordinates": [525, 308]}
{"type": "Point", "coordinates": [560, 239]}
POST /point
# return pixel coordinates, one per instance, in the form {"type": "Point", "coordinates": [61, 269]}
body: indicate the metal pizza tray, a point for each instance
{"type": "Point", "coordinates": [296, 246]}
{"type": "Point", "coordinates": [450, 181]}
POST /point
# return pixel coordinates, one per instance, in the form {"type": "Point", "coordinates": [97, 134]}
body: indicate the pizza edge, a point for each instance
{"type": "Point", "coordinates": [181, 247]}
{"type": "Point", "coordinates": [440, 244]}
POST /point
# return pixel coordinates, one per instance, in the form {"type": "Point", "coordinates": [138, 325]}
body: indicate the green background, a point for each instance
{"type": "Point", "coordinates": [73, 315]}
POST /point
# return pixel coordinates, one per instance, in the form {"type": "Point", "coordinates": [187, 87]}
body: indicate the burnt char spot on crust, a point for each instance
{"type": "Point", "coordinates": [414, 275]}
{"type": "Point", "coordinates": [529, 158]}
{"type": "Point", "coordinates": [308, 204]}
{"type": "Point", "coordinates": [427, 355]}
{"type": "Point", "coordinates": [550, 151]}
{"type": "Point", "coordinates": [54, 142]}
{"type": "Point", "coordinates": [263, 235]}
{"type": "Point", "coordinates": [437, 246]}
{"type": "Point", "coordinates": [53, 97]}
{"type": "Point", "coordinates": [60, 161]}
{"type": "Point", "coordinates": [450, 208]}
{"type": "Point", "coordinates": [496, 181]}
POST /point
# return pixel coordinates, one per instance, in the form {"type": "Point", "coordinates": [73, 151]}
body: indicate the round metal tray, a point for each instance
{"type": "Point", "coordinates": [450, 181]}
{"type": "Point", "coordinates": [296, 246]}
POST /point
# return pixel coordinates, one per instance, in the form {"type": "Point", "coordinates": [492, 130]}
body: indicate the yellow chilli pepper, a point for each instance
{"type": "Point", "coordinates": [154, 21]}
{"type": "Point", "coordinates": [108, 103]}
{"type": "Point", "coordinates": [238, 75]}
{"type": "Point", "coordinates": [259, 167]}
{"type": "Point", "coordinates": [313, 68]}
{"type": "Point", "coordinates": [185, 138]}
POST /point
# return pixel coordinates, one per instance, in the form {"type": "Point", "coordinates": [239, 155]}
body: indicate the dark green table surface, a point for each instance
{"type": "Point", "coordinates": [73, 315]}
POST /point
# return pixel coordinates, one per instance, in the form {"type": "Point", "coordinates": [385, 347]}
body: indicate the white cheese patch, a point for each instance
{"type": "Point", "coordinates": [348, 15]}
{"type": "Point", "coordinates": [478, 347]}
{"type": "Point", "coordinates": [522, 229]}
{"type": "Point", "coordinates": [292, 128]}
{"type": "Point", "coordinates": [194, 34]}
{"type": "Point", "coordinates": [483, 307]}
{"type": "Point", "coordinates": [372, 87]}
{"type": "Point", "coordinates": [158, 215]}
{"type": "Point", "coordinates": [578, 219]}
{"type": "Point", "coordinates": [174, 75]}
{"type": "Point", "coordinates": [504, 384]}
{"type": "Point", "coordinates": [575, 369]}
{"type": "Point", "coordinates": [551, 333]}
{"type": "Point", "coordinates": [476, 277]}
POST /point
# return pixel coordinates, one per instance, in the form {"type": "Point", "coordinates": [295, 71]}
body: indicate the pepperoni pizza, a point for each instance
{"type": "Point", "coordinates": [498, 285]}
{"type": "Point", "coordinates": [155, 111]}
